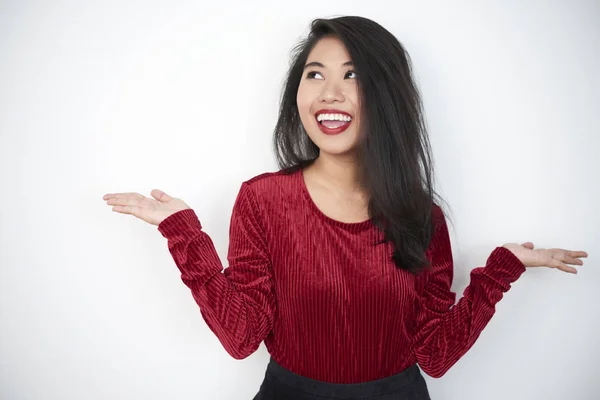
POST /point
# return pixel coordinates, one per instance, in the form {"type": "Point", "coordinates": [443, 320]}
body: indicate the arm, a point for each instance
{"type": "Point", "coordinates": [238, 304]}
{"type": "Point", "coordinates": [445, 331]}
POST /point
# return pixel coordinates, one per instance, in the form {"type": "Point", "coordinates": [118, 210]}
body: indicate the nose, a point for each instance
{"type": "Point", "coordinates": [331, 92]}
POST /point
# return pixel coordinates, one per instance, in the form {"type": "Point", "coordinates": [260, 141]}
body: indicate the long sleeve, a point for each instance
{"type": "Point", "coordinates": [445, 331]}
{"type": "Point", "coordinates": [238, 303]}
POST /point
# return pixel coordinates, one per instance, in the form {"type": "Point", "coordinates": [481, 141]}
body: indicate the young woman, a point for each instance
{"type": "Point", "coordinates": [341, 261]}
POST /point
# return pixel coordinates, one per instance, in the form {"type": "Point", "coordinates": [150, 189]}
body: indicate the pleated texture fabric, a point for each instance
{"type": "Point", "coordinates": [327, 301]}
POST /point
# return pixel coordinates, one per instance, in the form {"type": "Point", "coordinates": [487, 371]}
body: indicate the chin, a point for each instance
{"type": "Point", "coordinates": [336, 149]}
{"type": "Point", "coordinates": [338, 145]}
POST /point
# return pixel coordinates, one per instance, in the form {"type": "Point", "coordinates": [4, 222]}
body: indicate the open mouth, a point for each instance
{"type": "Point", "coordinates": [332, 122]}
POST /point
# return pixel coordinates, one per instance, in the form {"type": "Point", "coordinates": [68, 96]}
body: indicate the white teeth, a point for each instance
{"type": "Point", "coordinates": [334, 117]}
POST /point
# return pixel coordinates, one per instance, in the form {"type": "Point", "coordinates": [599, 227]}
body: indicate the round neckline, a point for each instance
{"type": "Point", "coordinates": [352, 226]}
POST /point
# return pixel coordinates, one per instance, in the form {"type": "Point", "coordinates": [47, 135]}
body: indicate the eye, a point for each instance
{"type": "Point", "coordinates": [352, 75]}
{"type": "Point", "coordinates": [313, 75]}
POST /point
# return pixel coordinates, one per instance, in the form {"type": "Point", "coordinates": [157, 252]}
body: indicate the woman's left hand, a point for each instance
{"type": "Point", "coordinates": [551, 258]}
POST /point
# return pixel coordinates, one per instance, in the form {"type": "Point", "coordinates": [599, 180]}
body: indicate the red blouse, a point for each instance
{"type": "Point", "coordinates": [329, 305]}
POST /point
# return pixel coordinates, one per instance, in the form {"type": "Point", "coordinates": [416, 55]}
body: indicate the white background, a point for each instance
{"type": "Point", "coordinates": [100, 97]}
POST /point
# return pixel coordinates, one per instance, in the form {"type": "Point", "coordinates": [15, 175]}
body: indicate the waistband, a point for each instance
{"type": "Point", "coordinates": [390, 384]}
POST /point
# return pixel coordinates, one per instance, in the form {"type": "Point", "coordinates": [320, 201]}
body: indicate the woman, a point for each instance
{"type": "Point", "coordinates": [341, 261]}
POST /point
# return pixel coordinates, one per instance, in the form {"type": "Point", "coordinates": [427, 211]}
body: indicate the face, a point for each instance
{"type": "Point", "coordinates": [328, 98]}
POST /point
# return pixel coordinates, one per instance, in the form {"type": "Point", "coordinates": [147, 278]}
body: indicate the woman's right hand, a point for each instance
{"type": "Point", "coordinates": [153, 211]}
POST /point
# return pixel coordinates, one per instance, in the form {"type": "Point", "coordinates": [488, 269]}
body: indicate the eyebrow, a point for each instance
{"type": "Point", "coordinates": [320, 65]}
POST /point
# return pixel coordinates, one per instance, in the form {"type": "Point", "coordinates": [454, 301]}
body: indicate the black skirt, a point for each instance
{"type": "Point", "coordinates": [279, 383]}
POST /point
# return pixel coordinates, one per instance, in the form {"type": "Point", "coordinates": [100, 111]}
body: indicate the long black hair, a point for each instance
{"type": "Point", "coordinates": [395, 159]}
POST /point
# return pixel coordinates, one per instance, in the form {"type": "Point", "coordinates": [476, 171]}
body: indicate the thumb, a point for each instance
{"type": "Point", "coordinates": [528, 245]}
{"type": "Point", "coordinates": [160, 196]}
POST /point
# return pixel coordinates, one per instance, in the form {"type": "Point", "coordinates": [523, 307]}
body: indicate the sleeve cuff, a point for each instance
{"type": "Point", "coordinates": [184, 222]}
{"type": "Point", "coordinates": [503, 266]}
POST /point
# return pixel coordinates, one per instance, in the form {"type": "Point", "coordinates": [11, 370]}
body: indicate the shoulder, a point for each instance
{"type": "Point", "coordinates": [272, 196]}
{"type": "Point", "coordinates": [272, 184]}
{"type": "Point", "coordinates": [437, 214]}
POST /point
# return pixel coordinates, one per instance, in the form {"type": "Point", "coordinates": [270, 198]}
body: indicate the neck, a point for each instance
{"type": "Point", "coordinates": [340, 173]}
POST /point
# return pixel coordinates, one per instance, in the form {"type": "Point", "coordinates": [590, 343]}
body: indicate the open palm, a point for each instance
{"type": "Point", "coordinates": [551, 258]}
{"type": "Point", "coordinates": [152, 210]}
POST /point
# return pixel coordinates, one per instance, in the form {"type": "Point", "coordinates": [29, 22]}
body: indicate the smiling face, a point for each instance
{"type": "Point", "coordinates": [328, 99]}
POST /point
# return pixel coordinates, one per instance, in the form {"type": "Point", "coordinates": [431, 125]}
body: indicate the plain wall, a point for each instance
{"type": "Point", "coordinates": [99, 97]}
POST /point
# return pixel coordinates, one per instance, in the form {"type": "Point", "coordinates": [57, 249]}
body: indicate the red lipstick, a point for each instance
{"type": "Point", "coordinates": [343, 125]}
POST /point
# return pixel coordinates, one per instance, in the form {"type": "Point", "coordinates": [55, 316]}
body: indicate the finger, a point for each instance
{"type": "Point", "coordinates": [572, 253]}
{"type": "Point", "coordinates": [572, 260]}
{"type": "Point", "coordinates": [125, 201]}
{"type": "Point", "coordinates": [528, 245]}
{"type": "Point", "coordinates": [133, 195]}
{"type": "Point", "coordinates": [160, 196]}
{"type": "Point", "coordinates": [566, 268]}
{"type": "Point", "coordinates": [563, 257]}
{"type": "Point", "coordinates": [577, 254]}
{"type": "Point", "coordinates": [109, 196]}
{"type": "Point", "coordinates": [556, 263]}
